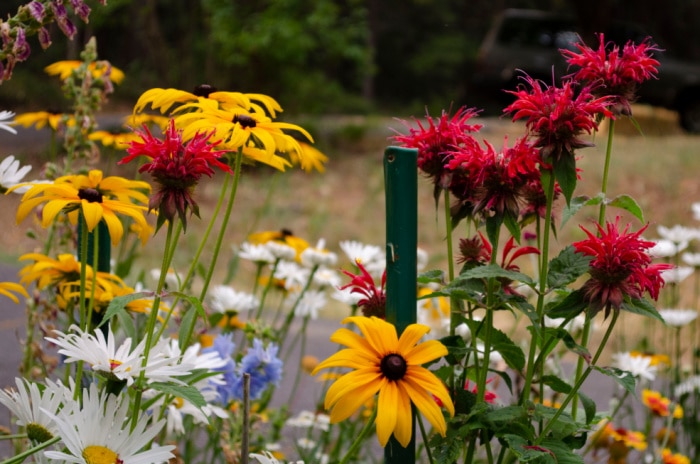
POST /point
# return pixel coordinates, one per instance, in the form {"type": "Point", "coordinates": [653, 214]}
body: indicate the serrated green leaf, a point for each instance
{"type": "Point", "coordinates": [571, 306]}
{"type": "Point", "coordinates": [526, 452]}
{"type": "Point", "coordinates": [641, 306]}
{"type": "Point", "coordinates": [628, 203]}
{"type": "Point", "coordinates": [556, 384]}
{"type": "Point", "coordinates": [512, 354]}
{"type": "Point", "coordinates": [432, 276]}
{"type": "Point", "coordinates": [512, 225]}
{"type": "Point", "coordinates": [564, 454]}
{"type": "Point", "coordinates": [577, 203]}
{"type": "Point", "coordinates": [567, 267]}
{"type": "Point", "coordinates": [186, 392]}
{"type": "Point", "coordinates": [194, 301]}
{"type": "Point", "coordinates": [623, 378]}
{"type": "Point", "coordinates": [494, 271]}
{"type": "Point", "coordinates": [565, 174]}
{"type": "Point", "coordinates": [565, 424]}
{"type": "Point", "coordinates": [119, 304]}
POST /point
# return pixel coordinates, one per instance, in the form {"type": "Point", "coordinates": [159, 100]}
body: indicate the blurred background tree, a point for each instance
{"type": "Point", "coordinates": [315, 56]}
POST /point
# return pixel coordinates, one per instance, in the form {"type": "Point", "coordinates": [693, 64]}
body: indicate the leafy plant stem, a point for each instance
{"type": "Point", "coordinates": [425, 438]}
{"type": "Point", "coordinates": [22, 456]}
{"type": "Point", "coordinates": [544, 268]}
{"type": "Point", "coordinates": [488, 325]}
{"type": "Point", "coordinates": [577, 386]}
{"type": "Point", "coordinates": [360, 438]}
{"type": "Point", "coordinates": [606, 171]}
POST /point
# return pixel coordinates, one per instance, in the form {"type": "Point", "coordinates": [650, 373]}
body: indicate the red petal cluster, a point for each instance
{"type": "Point", "coordinates": [616, 72]}
{"type": "Point", "coordinates": [374, 301]}
{"type": "Point", "coordinates": [557, 116]}
{"type": "Point", "coordinates": [177, 167]}
{"type": "Point", "coordinates": [620, 267]}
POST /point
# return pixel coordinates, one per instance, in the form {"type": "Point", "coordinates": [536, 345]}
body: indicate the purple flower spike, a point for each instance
{"type": "Point", "coordinates": [36, 9]}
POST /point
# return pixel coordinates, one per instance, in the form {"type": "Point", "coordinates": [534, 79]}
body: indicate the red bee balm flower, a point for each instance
{"type": "Point", "coordinates": [618, 72]}
{"type": "Point", "coordinates": [557, 116]}
{"type": "Point", "coordinates": [374, 301]}
{"type": "Point", "coordinates": [621, 266]}
{"type": "Point", "coordinates": [177, 168]}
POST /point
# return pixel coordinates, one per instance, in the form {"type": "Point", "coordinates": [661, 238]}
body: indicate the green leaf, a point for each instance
{"type": "Point", "coordinates": [641, 306]}
{"type": "Point", "coordinates": [628, 203]}
{"type": "Point", "coordinates": [556, 384]}
{"type": "Point", "coordinates": [119, 304]}
{"type": "Point", "coordinates": [493, 227]}
{"type": "Point", "coordinates": [526, 452]}
{"type": "Point", "coordinates": [567, 267]}
{"type": "Point", "coordinates": [571, 306]}
{"type": "Point", "coordinates": [577, 203]}
{"type": "Point", "coordinates": [565, 424]}
{"type": "Point", "coordinates": [186, 323]}
{"type": "Point", "coordinates": [565, 174]}
{"type": "Point", "coordinates": [512, 354]}
{"type": "Point", "coordinates": [564, 454]}
{"type": "Point", "coordinates": [186, 392]}
{"type": "Point", "coordinates": [494, 271]}
{"type": "Point", "coordinates": [623, 378]}
{"type": "Point", "coordinates": [433, 276]}
{"type": "Point", "coordinates": [194, 301]}
{"type": "Point", "coordinates": [512, 225]}
{"type": "Point", "coordinates": [589, 407]}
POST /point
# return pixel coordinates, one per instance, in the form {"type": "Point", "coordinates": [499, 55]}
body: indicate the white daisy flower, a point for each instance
{"type": "Point", "coordinates": [695, 207]}
{"type": "Point", "coordinates": [678, 317]}
{"type": "Point", "coordinates": [7, 120]}
{"type": "Point", "coordinates": [224, 299]}
{"type": "Point", "coordinates": [464, 331]}
{"type": "Point", "coordinates": [664, 248]}
{"type": "Point", "coordinates": [32, 406]}
{"type": "Point", "coordinates": [11, 174]}
{"type": "Point", "coordinates": [689, 385]}
{"type": "Point", "coordinates": [421, 259]}
{"type": "Point", "coordinates": [306, 443]}
{"type": "Point", "coordinates": [257, 253]}
{"type": "Point", "coordinates": [324, 277]}
{"type": "Point", "coordinates": [99, 432]}
{"type": "Point", "coordinates": [267, 458]}
{"type": "Point", "coordinates": [293, 275]}
{"type": "Point", "coordinates": [637, 366]}
{"type": "Point", "coordinates": [312, 301]}
{"type": "Point", "coordinates": [678, 233]}
{"type": "Point", "coordinates": [172, 279]}
{"type": "Point", "coordinates": [677, 274]}
{"type": "Point", "coordinates": [310, 419]}
{"type": "Point", "coordinates": [281, 250]}
{"type": "Point", "coordinates": [355, 250]}
{"type": "Point", "coordinates": [346, 296]}
{"type": "Point", "coordinates": [575, 325]}
{"type": "Point", "coordinates": [318, 256]}
{"type": "Point", "coordinates": [376, 268]}
{"type": "Point", "coordinates": [691, 259]}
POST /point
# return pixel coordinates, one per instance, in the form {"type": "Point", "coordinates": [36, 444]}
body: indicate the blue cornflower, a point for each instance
{"type": "Point", "coordinates": [264, 367]}
{"type": "Point", "coordinates": [224, 346]}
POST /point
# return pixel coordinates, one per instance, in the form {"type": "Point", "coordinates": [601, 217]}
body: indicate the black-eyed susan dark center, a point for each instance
{"type": "Point", "coordinates": [204, 90]}
{"type": "Point", "coordinates": [90, 194]}
{"type": "Point", "coordinates": [393, 366]}
{"type": "Point", "coordinates": [244, 120]}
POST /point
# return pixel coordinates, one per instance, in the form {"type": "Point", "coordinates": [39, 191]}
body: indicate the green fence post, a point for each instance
{"type": "Point", "coordinates": [401, 190]}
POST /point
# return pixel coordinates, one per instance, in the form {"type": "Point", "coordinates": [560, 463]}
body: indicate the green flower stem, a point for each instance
{"type": "Point", "coordinates": [450, 258]}
{"type": "Point", "coordinates": [357, 444]}
{"type": "Point", "coordinates": [219, 240]}
{"type": "Point", "coordinates": [544, 268]}
{"type": "Point", "coordinates": [585, 338]}
{"type": "Point", "coordinates": [152, 318]}
{"type": "Point", "coordinates": [577, 386]}
{"type": "Point", "coordinates": [302, 352]}
{"type": "Point", "coordinates": [267, 288]}
{"type": "Point", "coordinates": [24, 455]}
{"type": "Point", "coordinates": [425, 438]}
{"type": "Point", "coordinates": [290, 315]}
{"type": "Point", "coordinates": [488, 326]}
{"type": "Point", "coordinates": [83, 272]}
{"type": "Point", "coordinates": [677, 355]}
{"type": "Point", "coordinates": [606, 171]}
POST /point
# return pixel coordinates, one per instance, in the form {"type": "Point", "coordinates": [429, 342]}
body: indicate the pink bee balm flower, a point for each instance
{"type": "Point", "coordinates": [617, 72]}
{"type": "Point", "coordinates": [373, 302]}
{"type": "Point", "coordinates": [620, 267]}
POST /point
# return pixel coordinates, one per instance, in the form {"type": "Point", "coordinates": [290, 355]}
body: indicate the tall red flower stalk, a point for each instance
{"type": "Point", "coordinates": [616, 72]}
{"type": "Point", "coordinates": [176, 167]}
{"type": "Point", "coordinates": [620, 267]}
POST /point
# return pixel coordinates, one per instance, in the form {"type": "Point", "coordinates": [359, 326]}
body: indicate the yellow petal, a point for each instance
{"type": "Point", "coordinates": [353, 340]}
{"type": "Point", "coordinates": [387, 412]}
{"type": "Point", "coordinates": [426, 405]}
{"type": "Point", "coordinates": [353, 359]}
{"type": "Point", "coordinates": [425, 352]}
{"type": "Point", "coordinates": [427, 381]}
{"type": "Point", "coordinates": [361, 378]}
{"type": "Point", "coordinates": [348, 404]}
{"type": "Point", "coordinates": [410, 336]}
{"type": "Point", "coordinates": [92, 212]}
{"type": "Point", "coordinates": [115, 227]}
{"type": "Point", "coordinates": [379, 333]}
{"type": "Point", "coordinates": [50, 210]}
{"type": "Point", "coordinates": [404, 419]}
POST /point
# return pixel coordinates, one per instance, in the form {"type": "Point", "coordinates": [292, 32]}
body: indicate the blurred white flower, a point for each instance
{"type": "Point", "coordinates": [12, 174]}
{"type": "Point", "coordinates": [678, 317]}
{"type": "Point", "coordinates": [257, 253]}
{"type": "Point", "coordinates": [695, 207]}
{"type": "Point", "coordinates": [463, 331]}
{"type": "Point", "coordinates": [678, 233]}
{"type": "Point", "coordinates": [637, 366]}
{"type": "Point", "coordinates": [318, 256]}
{"type": "Point", "coordinates": [665, 248]}
{"type": "Point", "coordinates": [689, 385]}
{"type": "Point", "coordinates": [293, 275]}
{"type": "Point", "coordinates": [224, 299]}
{"type": "Point", "coordinates": [7, 120]}
{"type": "Point", "coordinates": [691, 259]}
{"type": "Point", "coordinates": [677, 274]}
{"type": "Point", "coordinates": [309, 419]}
{"type": "Point", "coordinates": [172, 280]}
{"type": "Point", "coordinates": [575, 325]}
{"type": "Point", "coordinates": [324, 277]}
{"type": "Point", "coordinates": [311, 302]}
{"type": "Point", "coordinates": [421, 259]}
{"type": "Point", "coordinates": [365, 253]}
{"type": "Point", "coordinates": [268, 458]}
{"type": "Point", "coordinates": [281, 250]}
{"type": "Point", "coordinates": [347, 296]}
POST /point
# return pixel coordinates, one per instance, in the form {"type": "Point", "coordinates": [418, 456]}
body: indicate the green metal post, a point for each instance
{"type": "Point", "coordinates": [401, 190]}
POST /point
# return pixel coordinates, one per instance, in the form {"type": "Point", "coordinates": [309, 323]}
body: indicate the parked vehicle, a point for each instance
{"type": "Point", "coordinates": [530, 41]}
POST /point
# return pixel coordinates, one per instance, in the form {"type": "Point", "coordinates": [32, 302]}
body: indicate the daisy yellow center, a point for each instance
{"type": "Point", "coordinates": [178, 402]}
{"type": "Point", "coordinates": [393, 366]}
{"type": "Point", "coordinates": [244, 120]}
{"type": "Point", "coordinates": [96, 454]}
{"type": "Point", "coordinates": [38, 433]}
{"type": "Point", "coordinates": [90, 194]}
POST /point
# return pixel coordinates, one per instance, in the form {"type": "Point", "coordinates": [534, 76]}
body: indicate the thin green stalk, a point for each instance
{"type": "Point", "coordinates": [425, 438]}
{"type": "Point", "coordinates": [152, 318]}
{"type": "Point", "coordinates": [450, 258]}
{"type": "Point", "coordinates": [290, 316]}
{"type": "Point", "coordinates": [302, 352]}
{"type": "Point", "coordinates": [488, 326]}
{"type": "Point", "coordinates": [267, 288]}
{"type": "Point", "coordinates": [577, 386]}
{"type": "Point", "coordinates": [354, 448]}
{"type": "Point", "coordinates": [24, 455]}
{"type": "Point", "coordinates": [544, 269]}
{"type": "Point", "coordinates": [606, 171]}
